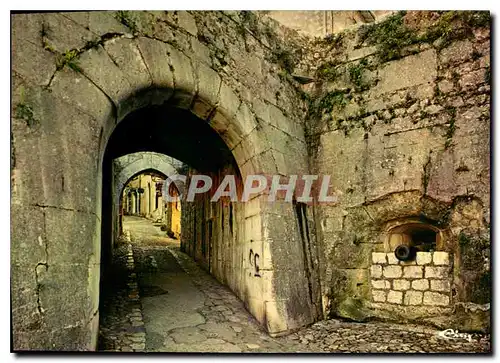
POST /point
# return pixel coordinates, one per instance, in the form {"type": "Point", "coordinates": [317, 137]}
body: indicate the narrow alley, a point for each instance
{"type": "Point", "coordinates": [159, 300]}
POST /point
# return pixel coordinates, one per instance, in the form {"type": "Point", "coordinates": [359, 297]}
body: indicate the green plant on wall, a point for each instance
{"type": "Point", "coordinates": [70, 59]}
{"type": "Point", "coordinates": [285, 58]}
{"type": "Point", "coordinates": [392, 35]}
{"type": "Point", "coordinates": [335, 99]}
{"type": "Point", "coordinates": [327, 71]}
{"type": "Point", "coordinates": [24, 111]}
{"type": "Point", "coordinates": [356, 74]}
{"type": "Point", "coordinates": [126, 18]}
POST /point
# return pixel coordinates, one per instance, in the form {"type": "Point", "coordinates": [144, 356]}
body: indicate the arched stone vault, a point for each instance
{"type": "Point", "coordinates": [57, 177]}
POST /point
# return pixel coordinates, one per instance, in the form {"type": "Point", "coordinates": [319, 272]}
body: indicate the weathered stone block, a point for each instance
{"type": "Point", "coordinates": [246, 119]}
{"type": "Point", "coordinates": [457, 52]}
{"type": "Point", "coordinates": [440, 285]}
{"type": "Point", "coordinates": [28, 239]}
{"type": "Point", "coordinates": [379, 258]}
{"type": "Point", "coordinates": [392, 271]}
{"type": "Point", "coordinates": [395, 297]}
{"type": "Point", "coordinates": [408, 263]}
{"type": "Point", "coordinates": [414, 272]}
{"type": "Point", "coordinates": [185, 82]}
{"type": "Point", "coordinates": [433, 109]}
{"type": "Point", "coordinates": [472, 80]}
{"type": "Point", "coordinates": [400, 284]}
{"type": "Point", "coordinates": [436, 272]}
{"type": "Point", "coordinates": [424, 258]}
{"type": "Point", "coordinates": [102, 22]}
{"type": "Point", "coordinates": [446, 86]}
{"type": "Point", "coordinates": [187, 22]}
{"type": "Point", "coordinates": [100, 68]}
{"type": "Point", "coordinates": [421, 284]}
{"type": "Point", "coordinates": [27, 27]}
{"type": "Point", "coordinates": [376, 271]}
{"type": "Point", "coordinates": [24, 54]}
{"type": "Point", "coordinates": [435, 299]}
{"type": "Point", "coordinates": [425, 91]}
{"type": "Point", "coordinates": [156, 56]}
{"type": "Point", "coordinates": [441, 258]}
{"type": "Point", "coordinates": [57, 183]}
{"type": "Point", "coordinates": [64, 297]}
{"type": "Point", "coordinates": [381, 284]}
{"type": "Point", "coordinates": [413, 297]}
{"type": "Point", "coordinates": [209, 83]}
{"type": "Point", "coordinates": [76, 89]}
{"type": "Point", "coordinates": [64, 34]}
{"type": "Point", "coordinates": [201, 51]}
{"type": "Point", "coordinates": [125, 53]}
{"type": "Point", "coordinates": [59, 247]}
{"type": "Point", "coordinates": [409, 71]}
{"type": "Point", "coordinates": [379, 295]}
{"type": "Point", "coordinates": [391, 259]}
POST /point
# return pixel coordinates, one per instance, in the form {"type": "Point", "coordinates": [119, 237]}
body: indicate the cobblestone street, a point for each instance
{"type": "Point", "coordinates": [169, 304]}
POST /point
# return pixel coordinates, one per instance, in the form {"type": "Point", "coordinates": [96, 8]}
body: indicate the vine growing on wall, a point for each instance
{"type": "Point", "coordinates": [393, 35]}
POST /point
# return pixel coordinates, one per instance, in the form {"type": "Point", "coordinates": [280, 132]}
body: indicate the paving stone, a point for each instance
{"type": "Point", "coordinates": [188, 335]}
{"type": "Point", "coordinates": [237, 329]}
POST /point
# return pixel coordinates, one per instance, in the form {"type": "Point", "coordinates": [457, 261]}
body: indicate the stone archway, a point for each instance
{"type": "Point", "coordinates": [128, 166]}
{"type": "Point", "coordinates": [75, 110]}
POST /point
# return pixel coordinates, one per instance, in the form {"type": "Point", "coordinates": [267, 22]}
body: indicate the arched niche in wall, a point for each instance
{"type": "Point", "coordinates": [417, 234]}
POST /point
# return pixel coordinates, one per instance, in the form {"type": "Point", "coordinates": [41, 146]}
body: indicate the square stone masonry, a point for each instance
{"type": "Point", "coordinates": [441, 258]}
{"type": "Point", "coordinates": [420, 284]}
{"type": "Point", "coordinates": [391, 259]}
{"type": "Point", "coordinates": [400, 284]}
{"type": "Point", "coordinates": [424, 258]}
{"type": "Point", "coordinates": [395, 297]}
{"type": "Point", "coordinates": [378, 295]}
{"type": "Point", "coordinates": [414, 272]}
{"type": "Point", "coordinates": [440, 285]}
{"type": "Point", "coordinates": [376, 271]}
{"type": "Point", "coordinates": [378, 258]}
{"type": "Point", "coordinates": [436, 299]}
{"type": "Point", "coordinates": [436, 272]}
{"type": "Point", "coordinates": [413, 297]}
{"type": "Point", "coordinates": [392, 271]}
{"type": "Point", "coordinates": [381, 284]}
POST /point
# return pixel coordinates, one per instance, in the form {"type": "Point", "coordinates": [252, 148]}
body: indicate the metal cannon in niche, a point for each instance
{"type": "Point", "coordinates": [409, 239]}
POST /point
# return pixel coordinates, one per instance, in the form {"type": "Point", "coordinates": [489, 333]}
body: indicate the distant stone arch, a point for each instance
{"type": "Point", "coordinates": [128, 166]}
{"type": "Point", "coordinates": [131, 165]}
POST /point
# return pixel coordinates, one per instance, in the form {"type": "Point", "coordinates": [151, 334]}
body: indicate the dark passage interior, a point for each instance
{"type": "Point", "coordinates": [181, 135]}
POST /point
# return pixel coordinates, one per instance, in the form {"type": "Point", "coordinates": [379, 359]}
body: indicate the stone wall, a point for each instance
{"type": "Point", "coordinates": [425, 281]}
{"type": "Point", "coordinates": [320, 23]}
{"type": "Point", "coordinates": [75, 77]}
{"type": "Point", "coordinates": [399, 116]}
